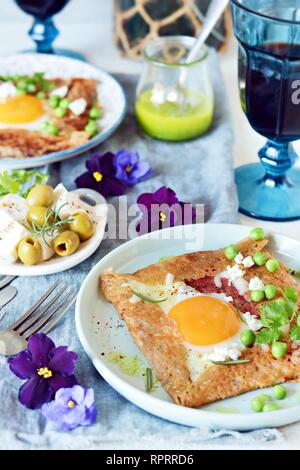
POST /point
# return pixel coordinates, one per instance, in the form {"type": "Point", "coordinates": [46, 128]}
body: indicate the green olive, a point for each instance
{"type": "Point", "coordinates": [40, 195]}
{"type": "Point", "coordinates": [30, 251]}
{"type": "Point", "coordinates": [66, 243]}
{"type": "Point", "coordinates": [37, 215]}
{"type": "Point", "coordinates": [82, 225]}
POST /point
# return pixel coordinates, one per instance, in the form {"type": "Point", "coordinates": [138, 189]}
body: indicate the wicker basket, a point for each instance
{"type": "Point", "coordinates": [138, 21]}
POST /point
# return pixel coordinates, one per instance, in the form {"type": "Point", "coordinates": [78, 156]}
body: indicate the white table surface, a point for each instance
{"type": "Point", "coordinates": [93, 37]}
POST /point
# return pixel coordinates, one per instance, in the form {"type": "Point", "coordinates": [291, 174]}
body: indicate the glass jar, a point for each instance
{"type": "Point", "coordinates": [174, 100]}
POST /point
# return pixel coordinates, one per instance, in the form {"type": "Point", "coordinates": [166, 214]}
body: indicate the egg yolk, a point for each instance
{"type": "Point", "coordinates": [21, 109]}
{"type": "Point", "coordinates": [205, 320]}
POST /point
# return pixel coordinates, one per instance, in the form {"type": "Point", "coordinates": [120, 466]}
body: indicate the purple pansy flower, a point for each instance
{"type": "Point", "coordinates": [71, 408]}
{"type": "Point", "coordinates": [45, 368]}
{"type": "Point", "coordinates": [129, 169]}
{"type": "Point", "coordinates": [163, 209]}
{"type": "Point", "coordinates": [100, 176]}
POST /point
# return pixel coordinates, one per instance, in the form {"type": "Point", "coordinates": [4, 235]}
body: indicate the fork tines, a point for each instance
{"type": "Point", "coordinates": [45, 317]}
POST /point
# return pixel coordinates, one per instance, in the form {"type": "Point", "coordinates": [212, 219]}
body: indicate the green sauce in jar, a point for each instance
{"type": "Point", "coordinates": [172, 120]}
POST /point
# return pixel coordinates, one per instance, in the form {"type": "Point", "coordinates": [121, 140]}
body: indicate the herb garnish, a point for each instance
{"type": "Point", "coordinates": [20, 181]}
{"type": "Point", "coordinates": [147, 299]}
{"type": "Point", "coordinates": [231, 363]}
{"type": "Point", "coordinates": [52, 222]}
{"type": "Point", "coordinates": [149, 380]}
{"type": "Point", "coordinates": [275, 315]}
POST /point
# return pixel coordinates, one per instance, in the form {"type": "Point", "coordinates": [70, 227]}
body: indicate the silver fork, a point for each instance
{"type": "Point", "coordinates": [14, 339]}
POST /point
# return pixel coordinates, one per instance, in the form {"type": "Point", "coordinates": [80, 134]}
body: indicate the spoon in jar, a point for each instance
{"type": "Point", "coordinates": [213, 14]}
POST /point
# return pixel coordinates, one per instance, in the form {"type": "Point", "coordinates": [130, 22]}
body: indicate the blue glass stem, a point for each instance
{"type": "Point", "coordinates": [44, 33]}
{"type": "Point", "coordinates": [277, 159]}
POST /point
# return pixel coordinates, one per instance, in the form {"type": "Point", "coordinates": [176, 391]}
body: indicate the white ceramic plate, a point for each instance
{"type": "Point", "coordinates": [58, 264]}
{"type": "Point", "coordinates": [100, 330]}
{"type": "Point", "coordinates": [110, 94]}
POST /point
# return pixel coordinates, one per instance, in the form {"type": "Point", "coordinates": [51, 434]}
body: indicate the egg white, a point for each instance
{"type": "Point", "coordinates": [172, 293]}
{"type": "Point", "coordinates": [36, 125]}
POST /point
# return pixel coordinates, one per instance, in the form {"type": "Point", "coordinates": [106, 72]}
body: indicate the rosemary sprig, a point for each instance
{"type": "Point", "coordinates": [150, 382]}
{"type": "Point", "coordinates": [49, 226]}
{"type": "Point", "coordinates": [231, 363]}
{"type": "Point", "coordinates": [239, 314]}
{"type": "Point", "coordinates": [147, 299]}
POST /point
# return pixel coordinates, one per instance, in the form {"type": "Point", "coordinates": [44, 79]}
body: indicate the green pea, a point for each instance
{"type": "Point", "coordinates": [257, 295]}
{"type": "Point", "coordinates": [21, 92]}
{"type": "Point", "coordinates": [41, 95]}
{"type": "Point", "coordinates": [231, 251]}
{"type": "Point", "coordinates": [95, 113]}
{"type": "Point", "coordinates": [64, 103]}
{"type": "Point", "coordinates": [91, 128]}
{"type": "Point", "coordinates": [279, 349]}
{"type": "Point", "coordinates": [272, 265]}
{"type": "Point", "coordinates": [257, 405]}
{"type": "Point", "coordinates": [31, 88]}
{"type": "Point", "coordinates": [22, 84]}
{"type": "Point", "coordinates": [247, 338]}
{"type": "Point", "coordinates": [270, 291]}
{"type": "Point", "coordinates": [54, 101]}
{"type": "Point", "coordinates": [50, 128]}
{"type": "Point", "coordinates": [264, 398]}
{"type": "Point", "coordinates": [60, 112]}
{"type": "Point", "coordinates": [257, 234]}
{"type": "Point", "coordinates": [291, 294]}
{"type": "Point", "coordinates": [279, 392]}
{"type": "Point", "coordinates": [260, 258]}
{"type": "Point", "coordinates": [270, 407]}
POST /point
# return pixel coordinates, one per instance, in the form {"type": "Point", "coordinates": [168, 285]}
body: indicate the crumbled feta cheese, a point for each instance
{"type": "Point", "coordinates": [256, 284]}
{"type": "Point", "coordinates": [169, 280]}
{"type": "Point", "coordinates": [78, 106]}
{"type": "Point", "coordinates": [233, 273]}
{"type": "Point", "coordinates": [228, 298]}
{"type": "Point", "coordinates": [134, 299]}
{"type": "Point", "coordinates": [265, 347]}
{"type": "Point", "coordinates": [7, 90]}
{"type": "Point", "coordinates": [61, 91]}
{"type": "Point", "coordinates": [158, 94]}
{"type": "Point", "coordinates": [239, 258]}
{"type": "Point", "coordinates": [253, 323]}
{"type": "Point", "coordinates": [231, 352]}
{"type": "Point", "coordinates": [248, 262]}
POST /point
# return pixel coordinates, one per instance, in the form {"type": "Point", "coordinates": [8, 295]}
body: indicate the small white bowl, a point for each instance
{"type": "Point", "coordinates": [58, 264]}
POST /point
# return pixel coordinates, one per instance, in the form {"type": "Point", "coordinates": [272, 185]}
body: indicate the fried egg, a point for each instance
{"type": "Point", "coordinates": [24, 112]}
{"type": "Point", "coordinates": [208, 323]}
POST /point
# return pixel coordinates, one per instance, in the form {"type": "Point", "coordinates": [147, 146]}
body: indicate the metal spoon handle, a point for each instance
{"type": "Point", "coordinates": [213, 14]}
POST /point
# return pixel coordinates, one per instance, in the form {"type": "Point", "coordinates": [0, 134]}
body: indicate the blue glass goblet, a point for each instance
{"type": "Point", "coordinates": [43, 30]}
{"type": "Point", "coordinates": [268, 32]}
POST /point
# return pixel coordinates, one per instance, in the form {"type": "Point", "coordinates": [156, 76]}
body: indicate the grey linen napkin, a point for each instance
{"type": "Point", "coordinates": [200, 172]}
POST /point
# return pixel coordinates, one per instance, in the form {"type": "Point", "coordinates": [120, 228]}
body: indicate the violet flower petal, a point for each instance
{"type": "Point", "coordinates": [93, 163]}
{"type": "Point", "coordinates": [39, 345]}
{"type": "Point", "coordinates": [146, 199]}
{"type": "Point", "coordinates": [35, 392]}
{"type": "Point", "coordinates": [62, 360]}
{"type": "Point", "coordinates": [58, 381]}
{"type": "Point", "coordinates": [76, 393]}
{"type": "Point", "coordinates": [141, 171]}
{"type": "Point", "coordinates": [107, 165]}
{"type": "Point", "coordinates": [165, 195]}
{"type": "Point", "coordinates": [86, 180]}
{"type": "Point", "coordinates": [22, 365]}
